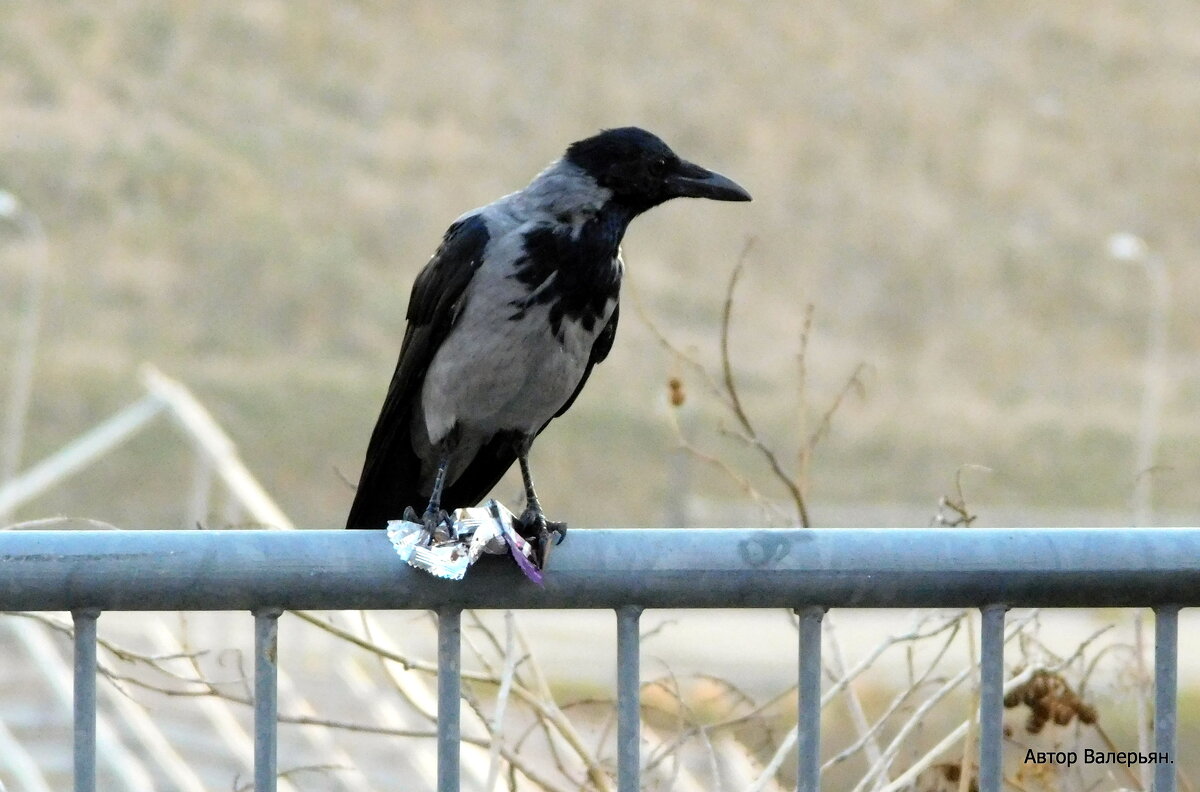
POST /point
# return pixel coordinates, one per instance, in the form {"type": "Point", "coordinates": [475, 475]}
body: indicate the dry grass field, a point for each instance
{"type": "Point", "coordinates": [242, 193]}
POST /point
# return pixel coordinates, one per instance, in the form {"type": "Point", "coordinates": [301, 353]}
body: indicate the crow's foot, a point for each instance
{"type": "Point", "coordinates": [542, 533]}
{"type": "Point", "coordinates": [558, 530]}
{"type": "Point", "coordinates": [438, 525]}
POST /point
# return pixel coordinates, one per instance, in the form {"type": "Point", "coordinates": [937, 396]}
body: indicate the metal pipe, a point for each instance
{"type": "Point", "coordinates": [788, 568]}
{"type": "Point", "coordinates": [78, 454]}
{"type": "Point", "coordinates": [1155, 379]}
{"type": "Point", "coordinates": [449, 695]}
{"type": "Point", "coordinates": [629, 699]}
{"type": "Point", "coordinates": [85, 698]}
{"type": "Point", "coordinates": [121, 766]}
{"type": "Point", "coordinates": [1166, 667]}
{"type": "Point", "coordinates": [808, 740]}
{"type": "Point", "coordinates": [18, 766]}
{"type": "Point", "coordinates": [266, 698]}
{"type": "Point", "coordinates": [207, 434]}
{"type": "Point", "coordinates": [20, 391]}
{"type": "Point", "coordinates": [991, 698]}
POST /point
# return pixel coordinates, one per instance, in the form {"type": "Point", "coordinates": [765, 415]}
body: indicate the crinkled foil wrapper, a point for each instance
{"type": "Point", "coordinates": [490, 528]}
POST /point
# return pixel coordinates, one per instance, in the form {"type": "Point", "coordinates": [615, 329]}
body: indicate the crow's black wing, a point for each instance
{"type": "Point", "coordinates": [391, 471]}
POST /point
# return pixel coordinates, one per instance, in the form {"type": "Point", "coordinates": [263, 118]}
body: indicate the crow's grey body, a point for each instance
{"type": "Point", "coordinates": [496, 374]}
{"type": "Point", "coordinates": [506, 322]}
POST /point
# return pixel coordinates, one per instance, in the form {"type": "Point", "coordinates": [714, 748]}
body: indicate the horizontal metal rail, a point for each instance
{"type": "Point", "coordinates": [88, 572]}
{"type": "Point", "coordinates": [858, 568]}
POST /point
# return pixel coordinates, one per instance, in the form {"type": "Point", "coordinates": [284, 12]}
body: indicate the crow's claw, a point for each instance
{"type": "Point", "coordinates": [542, 548]}
{"type": "Point", "coordinates": [542, 534]}
{"type": "Point", "coordinates": [438, 525]}
{"type": "Point", "coordinates": [559, 529]}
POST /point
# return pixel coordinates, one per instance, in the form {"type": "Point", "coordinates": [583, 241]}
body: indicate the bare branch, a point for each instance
{"type": "Point", "coordinates": [506, 681]}
{"type": "Point", "coordinates": [712, 385]}
{"type": "Point", "coordinates": [735, 399]}
{"type": "Point", "coordinates": [853, 385]}
{"type": "Point", "coordinates": [742, 481]}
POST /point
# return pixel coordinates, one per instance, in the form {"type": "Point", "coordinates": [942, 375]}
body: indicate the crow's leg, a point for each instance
{"type": "Point", "coordinates": [436, 521]}
{"type": "Point", "coordinates": [534, 519]}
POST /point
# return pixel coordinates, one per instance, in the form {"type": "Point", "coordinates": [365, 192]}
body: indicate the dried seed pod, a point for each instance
{"type": "Point", "coordinates": [1087, 714]}
{"type": "Point", "coordinates": [677, 395]}
{"type": "Point", "coordinates": [1062, 713]}
{"type": "Point", "coordinates": [946, 775]}
{"type": "Point", "coordinates": [1012, 698]}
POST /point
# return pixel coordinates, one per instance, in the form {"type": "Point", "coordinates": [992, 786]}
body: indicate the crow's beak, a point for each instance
{"type": "Point", "coordinates": [692, 181]}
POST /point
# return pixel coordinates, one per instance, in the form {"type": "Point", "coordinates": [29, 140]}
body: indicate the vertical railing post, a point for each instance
{"type": "Point", "coordinates": [266, 698]}
{"type": "Point", "coordinates": [1166, 669]}
{"type": "Point", "coordinates": [808, 728]}
{"type": "Point", "coordinates": [449, 695]}
{"type": "Point", "coordinates": [85, 698]}
{"type": "Point", "coordinates": [991, 698]}
{"type": "Point", "coordinates": [629, 699]}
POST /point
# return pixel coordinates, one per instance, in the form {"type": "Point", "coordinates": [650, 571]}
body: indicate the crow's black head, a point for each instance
{"type": "Point", "coordinates": [643, 172]}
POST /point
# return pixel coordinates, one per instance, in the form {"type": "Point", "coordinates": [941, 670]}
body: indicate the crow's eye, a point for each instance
{"type": "Point", "coordinates": [658, 166]}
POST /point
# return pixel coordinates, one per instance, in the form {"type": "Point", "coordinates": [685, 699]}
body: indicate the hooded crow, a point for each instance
{"type": "Point", "coordinates": [505, 323]}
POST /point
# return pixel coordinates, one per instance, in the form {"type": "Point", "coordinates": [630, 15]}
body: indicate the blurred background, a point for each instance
{"type": "Point", "coordinates": [242, 193]}
{"type": "Point", "coordinates": [991, 208]}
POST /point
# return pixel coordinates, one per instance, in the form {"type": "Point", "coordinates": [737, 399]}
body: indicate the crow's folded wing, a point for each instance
{"type": "Point", "coordinates": [391, 471]}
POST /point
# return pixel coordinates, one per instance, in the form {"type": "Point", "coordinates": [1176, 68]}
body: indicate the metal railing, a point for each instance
{"type": "Point", "coordinates": [266, 572]}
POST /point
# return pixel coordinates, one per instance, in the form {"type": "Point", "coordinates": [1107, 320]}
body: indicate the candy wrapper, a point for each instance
{"type": "Point", "coordinates": [490, 528]}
